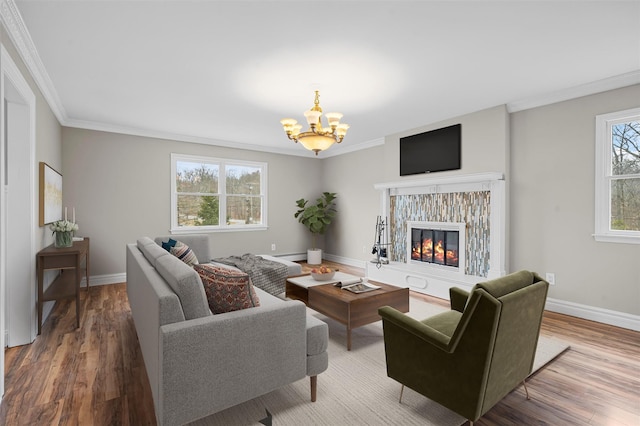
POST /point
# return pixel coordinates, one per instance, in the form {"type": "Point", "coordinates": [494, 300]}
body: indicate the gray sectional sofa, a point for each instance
{"type": "Point", "coordinates": [199, 363]}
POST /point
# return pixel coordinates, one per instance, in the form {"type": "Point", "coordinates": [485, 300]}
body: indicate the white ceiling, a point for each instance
{"type": "Point", "coordinates": [226, 72]}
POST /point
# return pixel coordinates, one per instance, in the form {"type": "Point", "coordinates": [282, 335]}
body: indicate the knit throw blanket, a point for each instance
{"type": "Point", "coordinates": [265, 274]}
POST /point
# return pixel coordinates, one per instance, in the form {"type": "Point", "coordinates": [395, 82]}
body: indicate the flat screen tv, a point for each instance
{"type": "Point", "coordinates": [433, 151]}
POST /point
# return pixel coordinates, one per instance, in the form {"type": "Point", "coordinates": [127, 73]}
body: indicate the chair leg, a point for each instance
{"type": "Point", "coordinates": [401, 390]}
{"type": "Point", "coordinates": [526, 391]}
{"type": "Point", "coordinates": [314, 388]}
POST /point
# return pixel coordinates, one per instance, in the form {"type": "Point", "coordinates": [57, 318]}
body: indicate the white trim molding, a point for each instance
{"type": "Point", "coordinates": [16, 92]}
{"type": "Point", "coordinates": [592, 313]}
{"type": "Point", "coordinates": [604, 176]}
{"type": "Point", "coordinates": [96, 280]}
{"type": "Point", "coordinates": [345, 260]}
{"type": "Point", "coordinates": [431, 182]}
{"type": "Point", "coordinates": [611, 83]}
{"type": "Point", "coordinates": [19, 35]}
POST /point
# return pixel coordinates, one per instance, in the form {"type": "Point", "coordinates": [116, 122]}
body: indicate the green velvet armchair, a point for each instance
{"type": "Point", "coordinates": [469, 358]}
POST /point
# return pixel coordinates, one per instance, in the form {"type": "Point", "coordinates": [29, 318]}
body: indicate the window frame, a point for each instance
{"type": "Point", "coordinates": [222, 163]}
{"type": "Point", "coordinates": [604, 177]}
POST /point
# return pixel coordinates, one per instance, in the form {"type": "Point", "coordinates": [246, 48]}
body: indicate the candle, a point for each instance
{"type": "Point", "coordinates": [65, 213]}
{"type": "Point", "coordinates": [74, 215]}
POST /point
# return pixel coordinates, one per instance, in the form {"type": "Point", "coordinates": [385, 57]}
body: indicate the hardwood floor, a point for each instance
{"type": "Point", "coordinates": [95, 375]}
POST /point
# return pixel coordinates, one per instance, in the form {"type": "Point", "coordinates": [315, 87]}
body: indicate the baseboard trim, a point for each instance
{"type": "Point", "coordinates": [592, 313]}
{"type": "Point", "coordinates": [345, 260]}
{"type": "Point", "coordinates": [96, 280]}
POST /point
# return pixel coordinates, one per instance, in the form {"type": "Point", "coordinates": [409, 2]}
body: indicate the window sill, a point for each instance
{"type": "Point", "coordinates": [182, 231]}
{"type": "Point", "coordinates": [617, 238]}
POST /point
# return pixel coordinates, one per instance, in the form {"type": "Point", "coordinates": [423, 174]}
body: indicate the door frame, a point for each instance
{"type": "Point", "coordinates": [15, 89]}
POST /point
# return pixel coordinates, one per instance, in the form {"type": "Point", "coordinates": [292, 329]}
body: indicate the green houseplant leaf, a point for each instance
{"type": "Point", "coordinates": [317, 217]}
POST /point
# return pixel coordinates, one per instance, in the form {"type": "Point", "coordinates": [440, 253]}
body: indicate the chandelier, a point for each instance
{"type": "Point", "coordinates": [317, 138]}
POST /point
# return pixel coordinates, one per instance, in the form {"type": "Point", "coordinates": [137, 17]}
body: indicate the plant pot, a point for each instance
{"type": "Point", "coordinates": [314, 256]}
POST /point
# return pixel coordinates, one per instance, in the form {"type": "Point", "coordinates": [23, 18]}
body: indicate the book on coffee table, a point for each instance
{"type": "Point", "coordinates": [358, 286]}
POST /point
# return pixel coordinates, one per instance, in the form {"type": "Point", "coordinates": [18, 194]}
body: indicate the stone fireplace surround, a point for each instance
{"type": "Point", "coordinates": [478, 200]}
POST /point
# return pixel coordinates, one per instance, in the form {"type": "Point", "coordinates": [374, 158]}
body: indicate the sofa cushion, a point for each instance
{"type": "Point", "coordinates": [186, 283]}
{"type": "Point", "coordinates": [150, 250]}
{"type": "Point", "coordinates": [317, 336]}
{"type": "Point", "coordinates": [198, 243]}
{"type": "Point", "coordinates": [227, 290]}
{"type": "Point", "coordinates": [184, 253]}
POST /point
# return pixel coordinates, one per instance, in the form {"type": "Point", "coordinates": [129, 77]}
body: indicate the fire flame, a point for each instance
{"type": "Point", "coordinates": [428, 248]}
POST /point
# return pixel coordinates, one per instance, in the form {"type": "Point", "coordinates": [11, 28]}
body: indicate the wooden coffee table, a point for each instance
{"type": "Point", "coordinates": [351, 309]}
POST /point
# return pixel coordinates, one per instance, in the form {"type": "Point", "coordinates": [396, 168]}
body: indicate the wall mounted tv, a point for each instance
{"type": "Point", "coordinates": [433, 151]}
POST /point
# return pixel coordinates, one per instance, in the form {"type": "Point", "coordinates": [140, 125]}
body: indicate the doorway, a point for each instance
{"type": "Point", "coordinates": [18, 204]}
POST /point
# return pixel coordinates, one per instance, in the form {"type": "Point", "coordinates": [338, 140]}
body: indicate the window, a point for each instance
{"type": "Point", "coordinates": [217, 194]}
{"type": "Point", "coordinates": [618, 177]}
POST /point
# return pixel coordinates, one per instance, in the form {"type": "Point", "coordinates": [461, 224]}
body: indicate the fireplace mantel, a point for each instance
{"type": "Point", "coordinates": [438, 282]}
{"type": "Point", "coordinates": [477, 178]}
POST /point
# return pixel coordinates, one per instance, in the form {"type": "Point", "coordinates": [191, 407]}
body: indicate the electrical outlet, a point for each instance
{"type": "Point", "coordinates": [273, 247]}
{"type": "Point", "coordinates": [551, 278]}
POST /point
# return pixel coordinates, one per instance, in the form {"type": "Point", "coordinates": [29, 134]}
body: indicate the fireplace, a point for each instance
{"type": "Point", "coordinates": [435, 246]}
{"type": "Point", "coordinates": [472, 204]}
{"type": "Point", "coordinates": [436, 243]}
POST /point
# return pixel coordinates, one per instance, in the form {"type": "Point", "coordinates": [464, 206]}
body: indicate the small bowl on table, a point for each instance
{"type": "Point", "coordinates": [323, 277]}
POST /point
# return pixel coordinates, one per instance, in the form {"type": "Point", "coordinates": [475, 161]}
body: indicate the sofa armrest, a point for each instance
{"type": "Point", "coordinates": [415, 327]}
{"type": "Point", "coordinates": [212, 363]}
{"type": "Point", "coordinates": [458, 298]}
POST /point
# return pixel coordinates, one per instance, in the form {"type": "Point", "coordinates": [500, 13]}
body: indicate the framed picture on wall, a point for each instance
{"type": "Point", "coordinates": [50, 194]}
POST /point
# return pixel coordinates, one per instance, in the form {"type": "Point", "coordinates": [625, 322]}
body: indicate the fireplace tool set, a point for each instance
{"type": "Point", "coordinates": [380, 243]}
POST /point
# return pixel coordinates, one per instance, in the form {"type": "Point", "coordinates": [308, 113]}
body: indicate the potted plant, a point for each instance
{"type": "Point", "coordinates": [316, 217]}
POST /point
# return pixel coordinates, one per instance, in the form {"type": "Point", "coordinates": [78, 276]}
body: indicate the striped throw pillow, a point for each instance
{"type": "Point", "coordinates": [184, 253]}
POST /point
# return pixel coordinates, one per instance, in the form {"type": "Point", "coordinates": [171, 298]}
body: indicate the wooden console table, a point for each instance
{"type": "Point", "coordinates": [66, 284]}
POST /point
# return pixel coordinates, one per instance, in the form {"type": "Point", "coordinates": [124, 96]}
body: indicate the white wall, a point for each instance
{"type": "Point", "coordinates": [352, 177]}
{"type": "Point", "coordinates": [485, 144]}
{"type": "Point", "coordinates": [552, 204]}
{"type": "Point", "coordinates": [120, 188]}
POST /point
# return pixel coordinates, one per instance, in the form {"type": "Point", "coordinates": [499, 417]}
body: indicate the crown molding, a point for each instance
{"type": "Point", "coordinates": [160, 134]}
{"type": "Point", "coordinates": [611, 83]}
{"type": "Point", "coordinates": [352, 147]}
{"type": "Point", "coordinates": [19, 35]}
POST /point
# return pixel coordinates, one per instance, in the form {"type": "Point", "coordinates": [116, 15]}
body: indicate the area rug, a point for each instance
{"type": "Point", "coordinates": [355, 389]}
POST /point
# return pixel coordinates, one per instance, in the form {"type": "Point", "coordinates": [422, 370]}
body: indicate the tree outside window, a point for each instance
{"type": "Point", "coordinates": [197, 194]}
{"type": "Point", "coordinates": [217, 193]}
{"type": "Point", "coordinates": [244, 204]}
{"type": "Point", "coordinates": [617, 191]}
{"type": "Point", "coordinates": [625, 187]}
